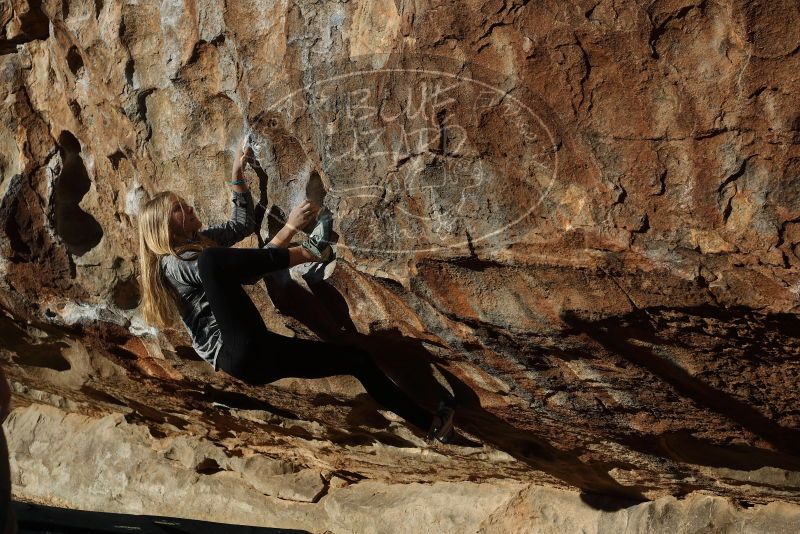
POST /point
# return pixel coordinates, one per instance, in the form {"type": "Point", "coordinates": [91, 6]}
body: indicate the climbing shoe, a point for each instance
{"type": "Point", "coordinates": [442, 425]}
{"type": "Point", "coordinates": [318, 242]}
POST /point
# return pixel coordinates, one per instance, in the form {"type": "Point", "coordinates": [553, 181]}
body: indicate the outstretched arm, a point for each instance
{"type": "Point", "coordinates": [239, 161]}
{"type": "Point", "coordinates": [242, 221]}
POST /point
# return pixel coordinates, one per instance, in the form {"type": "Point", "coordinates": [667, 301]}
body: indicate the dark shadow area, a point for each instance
{"type": "Point", "coordinates": [29, 351]}
{"type": "Point", "coordinates": [9, 221]}
{"type": "Point", "coordinates": [74, 60]}
{"type": "Point", "coordinates": [618, 335]}
{"type": "Point", "coordinates": [608, 503]}
{"type": "Point", "coordinates": [261, 205]}
{"type": "Point", "coordinates": [34, 25]}
{"type": "Point", "coordinates": [37, 518]}
{"type": "Point", "coordinates": [325, 311]}
{"type": "Point", "coordinates": [409, 364]}
{"type": "Point", "coordinates": [366, 439]}
{"type": "Point", "coordinates": [363, 411]}
{"type": "Point", "coordinates": [116, 158]}
{"type": "Point", "coordinates": [592, 478]}
{"type": "Point", "coordinates": [239, 401]}
{"type": "Point", "coordinates": [79, 230]}
{"type": "Point", "coordinates": [122, 353]}
{"type": "Point", "coordinates": [126, 294]}
{"type": "Point", "coordinates": [25, 240]}
{"type": "Point", "coordinates": [276, 218]}
{"type": "Point", "coordinates": [208, 466]}
{"type": "Point", "coordinates": [43, 356]}
{"type": "Point", "coordinates": [201, 396]}
{"type": "Point", "coordinates": [101, 396]}
{"type": "Point", "coordinates": [685, 448]}
{"type": "Point", "coordinates": [187, 353]}
{"type": "Point", "coordinates": [147, 414]}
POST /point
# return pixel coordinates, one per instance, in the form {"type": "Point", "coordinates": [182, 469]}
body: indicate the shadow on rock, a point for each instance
{"type": "Point", "coordinates": [410, 365]}
{"type": "Point", "coordinates": [597, 486]}
{"type": "Point", "coordinates": [624, 336]}
{"type": "Point", "coordinates": [240, 401]}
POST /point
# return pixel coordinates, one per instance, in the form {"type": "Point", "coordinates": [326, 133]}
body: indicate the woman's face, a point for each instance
{"type": "Point", "coordinates": [183, 219]}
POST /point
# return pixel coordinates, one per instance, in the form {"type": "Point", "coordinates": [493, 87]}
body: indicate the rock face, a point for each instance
{"type": "Point", "coordinates": [582, 218]}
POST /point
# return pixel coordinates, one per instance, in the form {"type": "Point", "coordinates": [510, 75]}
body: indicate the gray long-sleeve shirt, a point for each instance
{"type": "Point", "coordinates": [195, 310]}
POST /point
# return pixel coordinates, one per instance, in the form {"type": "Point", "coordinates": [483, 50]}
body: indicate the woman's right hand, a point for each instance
{"type": "Point", "coordinates": [302, 214]}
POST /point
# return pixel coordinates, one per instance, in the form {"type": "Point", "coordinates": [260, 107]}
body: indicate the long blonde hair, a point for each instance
{"type": "Point", "coordinates": [159, 296]}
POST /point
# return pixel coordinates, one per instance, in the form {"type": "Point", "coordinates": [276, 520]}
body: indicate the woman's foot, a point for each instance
{"type": "Point", "coordinates": [442, 425]}
{"type": "Point", "coordinates": [318, 242]}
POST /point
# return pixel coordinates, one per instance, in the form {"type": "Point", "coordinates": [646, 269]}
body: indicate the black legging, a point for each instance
{"type": "Point", "coordinates": [255, 355]}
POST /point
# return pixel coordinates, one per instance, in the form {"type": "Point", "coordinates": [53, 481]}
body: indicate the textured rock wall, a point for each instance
{"type": "Point", "coordinates": [256, 490]}
{"type": "Point", "coordinates": [584, 215]}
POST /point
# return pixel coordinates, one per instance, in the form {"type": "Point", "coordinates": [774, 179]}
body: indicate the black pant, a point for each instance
{"type": "Point", "coordinates": [255, 355]}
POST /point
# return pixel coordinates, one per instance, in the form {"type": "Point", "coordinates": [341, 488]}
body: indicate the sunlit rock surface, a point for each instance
{"type": "Point", "coordinates": [582, 218]}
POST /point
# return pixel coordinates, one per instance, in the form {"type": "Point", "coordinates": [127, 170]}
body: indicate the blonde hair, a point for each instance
{"type": "Point", "coordinates": [159, 296]}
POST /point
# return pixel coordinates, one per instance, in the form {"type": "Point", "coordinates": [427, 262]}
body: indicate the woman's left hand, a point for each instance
{"type": "Point", "coordinates": [301, 215]}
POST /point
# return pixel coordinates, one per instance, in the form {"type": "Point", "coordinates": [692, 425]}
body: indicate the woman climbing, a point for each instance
{"type": "Point", "coordinates": [197, 274]}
